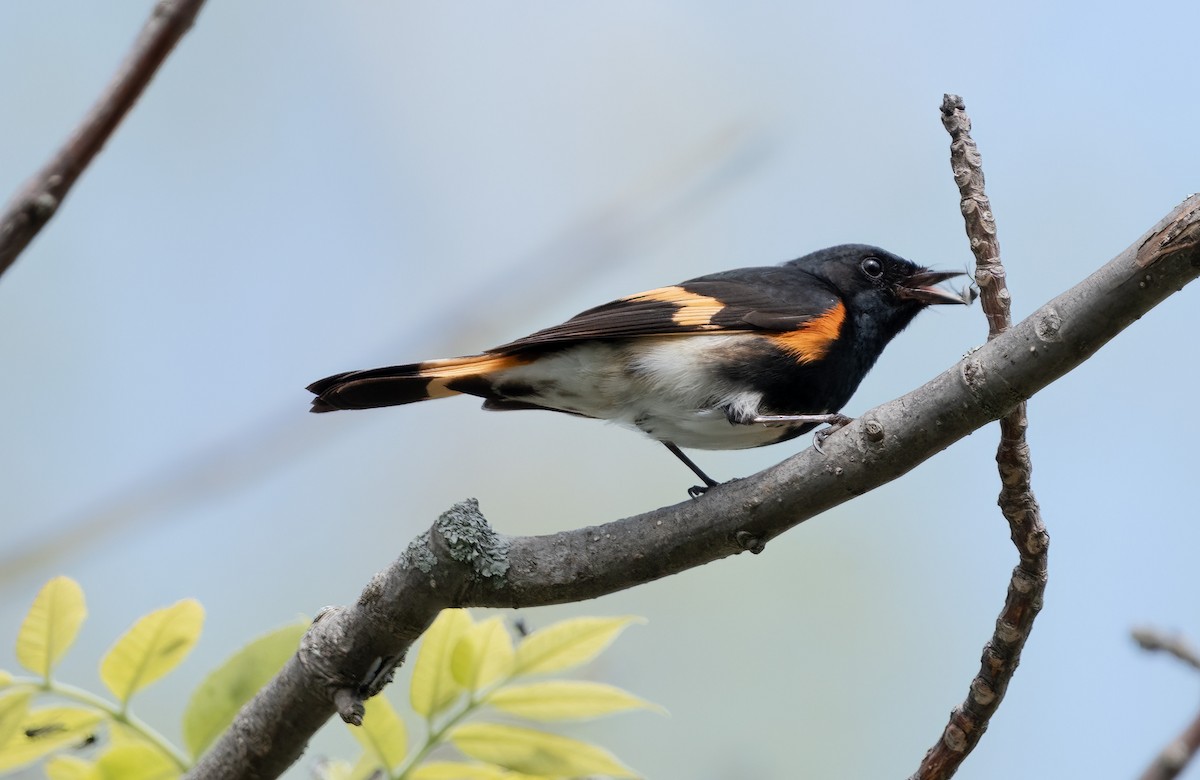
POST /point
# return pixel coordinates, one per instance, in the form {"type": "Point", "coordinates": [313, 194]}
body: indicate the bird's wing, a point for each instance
{"type": "Point", "coordinates": [734, 302]}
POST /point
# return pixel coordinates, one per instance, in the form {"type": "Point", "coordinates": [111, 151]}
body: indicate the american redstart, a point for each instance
{"type": "Point", "coordinates": [731, 360]}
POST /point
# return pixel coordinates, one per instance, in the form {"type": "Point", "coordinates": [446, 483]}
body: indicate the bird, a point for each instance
{"type": "Point", "coordinates": [731, 360]}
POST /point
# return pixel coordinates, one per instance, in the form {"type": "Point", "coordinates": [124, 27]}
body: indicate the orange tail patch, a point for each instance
{"type": "Point", "coordinates": [442, 373]}
{"type": "Point", "coordinates": [396, 385]}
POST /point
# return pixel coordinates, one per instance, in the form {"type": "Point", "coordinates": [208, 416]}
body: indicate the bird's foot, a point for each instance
{"type": "Point", "coordinates": [834, 421]}
{"type": "Point", "coordinates": [696, 490]}
{"type": "Point", "coordinates": [834, 426]}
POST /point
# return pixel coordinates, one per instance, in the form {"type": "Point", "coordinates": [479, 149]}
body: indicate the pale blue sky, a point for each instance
{"type": "Point", "coordinates": [313, 187]}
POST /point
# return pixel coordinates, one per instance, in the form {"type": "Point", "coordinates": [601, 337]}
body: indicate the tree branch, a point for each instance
{"type": "Point", "coordinates": [462, 562]}
{"type": "Point", "coordinates": [1176, 755]}
{"type": "Point", "coordinates": [1179, 752]}
{"type": "Point", "coordinates": [1023, 601]}
{"type": "Point", "coordinates": [41, 196]}
{"type": "Point", "coordinates": [1151, 640]}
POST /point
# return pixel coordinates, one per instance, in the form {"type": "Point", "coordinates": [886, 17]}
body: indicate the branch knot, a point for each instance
{"type": "Point", "coordinates": [471, 540]}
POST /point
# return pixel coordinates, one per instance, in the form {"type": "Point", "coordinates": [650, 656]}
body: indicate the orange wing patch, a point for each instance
{"type": "Point", "coordinates": [812, 340]}
{"type": "Point", "coordinates": [694, 310]}
{"type": "Point", "coordinates": [442, 372]}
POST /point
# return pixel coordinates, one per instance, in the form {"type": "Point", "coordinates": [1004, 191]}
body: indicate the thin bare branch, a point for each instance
{"type": "Point", "coordinates": [1154, 640]}
{"type": "Point", "coordinates": [351, 651]}
{"type": "Point", "coordinates": [42, 195]}
{"type": "Point", "coordinates": [1179, 752]}
{"type": "Point", "coordinates": [1023, 601]}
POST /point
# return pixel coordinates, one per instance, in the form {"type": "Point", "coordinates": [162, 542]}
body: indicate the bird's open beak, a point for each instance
{"type": "Point", "coordinates": [922, 287]}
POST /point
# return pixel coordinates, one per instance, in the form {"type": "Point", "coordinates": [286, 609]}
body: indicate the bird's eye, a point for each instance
{"type": "Point", "coordinates": [872, 267]}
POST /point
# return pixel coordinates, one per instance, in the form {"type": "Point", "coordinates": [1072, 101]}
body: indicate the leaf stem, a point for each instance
{"type": "Point", "coordinates": [435, 736]}
{"type": "Point", "coordinates": [120, 714]}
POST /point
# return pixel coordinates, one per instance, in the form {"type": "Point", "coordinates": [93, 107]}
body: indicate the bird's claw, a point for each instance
{"type": "Point", "coordinates": [819, 439]}
{"type": "Point", "coordinates": [835, 425]}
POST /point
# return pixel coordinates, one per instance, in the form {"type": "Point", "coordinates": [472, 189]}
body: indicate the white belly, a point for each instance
{"type": "Point", "coordinates": [668, 388]}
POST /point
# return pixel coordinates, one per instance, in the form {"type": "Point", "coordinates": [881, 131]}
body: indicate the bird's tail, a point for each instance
{"type": "Point", "coordinates": [395, 385]}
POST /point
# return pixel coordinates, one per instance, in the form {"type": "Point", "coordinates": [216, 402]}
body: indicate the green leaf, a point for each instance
{"type": "Point", "coordinates": [153, 646]}
{"type": "Point", "coordinates": [14, 707]}
{"type": "Point", "coordinates": [566, 644]}
{"type": "Point", "coordinates": [382, 734]}
{"type": "Point", "coordinates": [565, 700]}
{"type": "Point", "coordinates": [45, 730]}
{"type": "Point", "coordinates": [70, 768]}
{"type": "Point", "coordinates": [123, 734]}
{"type": "Point", "coordinates": [216, 701]}
{"type": "Point", "coordinates": [535, 752]}
{"type": "Point", "coordinates": [129, 757]}
{"type": "Point", "coordinates": [135, 762]}
{"type": "Point", "coordinates": [433, 684]}
{"type": "Point", "coordinates": [483, 655]}
{"type": "Point", "coordinates": [51, 625]}
{"type": "Point", "coordinates": [458, 770]}
{"type": "Point", "coordinates": [494, 653]}
{"type": "Point", "coordinates": [463, 659]}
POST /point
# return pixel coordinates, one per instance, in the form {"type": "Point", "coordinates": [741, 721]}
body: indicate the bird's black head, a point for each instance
{"type": "Point", "coordinates": [879, 288]}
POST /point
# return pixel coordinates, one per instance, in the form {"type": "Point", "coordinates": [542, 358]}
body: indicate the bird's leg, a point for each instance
{"type": "Point", "coordinates": [698, 490]}
{"type": "Point", "coordinates": [834, 421]}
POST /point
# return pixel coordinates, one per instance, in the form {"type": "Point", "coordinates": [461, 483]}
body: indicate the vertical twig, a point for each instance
{"type": "Point", "coordinates": [40, 197]}
{"type": "Point", "coordinates": [1002, 653]}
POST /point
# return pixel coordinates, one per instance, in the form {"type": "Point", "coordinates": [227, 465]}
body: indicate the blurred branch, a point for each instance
{"type": "Point", "coordinates": [1179, 752]}
{"type": "Point", "coordinates": [351, 652]}
{"type": "Point", "coordinates": [585, 248]}
{"type": "Point", "coordinates": [1152, 640]}
{"type": "Point", "coordinates": [1002, 653]}
{"type": "Point", "coordinates": [41, 196]}
{"type": "Point", "coordinates": [1175, 757]}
